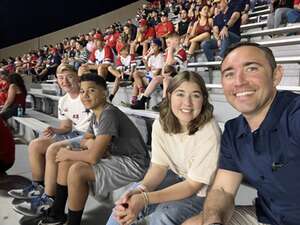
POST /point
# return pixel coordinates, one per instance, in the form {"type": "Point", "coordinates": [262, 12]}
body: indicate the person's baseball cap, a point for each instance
{"type": "Point", "coordinates": [157, 41]}
{"type": "Point", "coordinates": [163, 13]}
{"type": "Point", "coordinates": [98, 36]}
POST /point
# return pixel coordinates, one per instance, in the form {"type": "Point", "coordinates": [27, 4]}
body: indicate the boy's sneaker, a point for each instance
{"type": "Point", "coordinates": [53, 220]}
{"type": "Point", "coordinates": [36, 207]}
{"type": "Point", "coordinates": [32, 191]}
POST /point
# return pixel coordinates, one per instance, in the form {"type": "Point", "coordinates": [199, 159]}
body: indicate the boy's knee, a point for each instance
{"type": "Point", "coordinates": [37, 146]}
{"type": "Point", "coordinates": [77, 171]}
{"type": "Point", "coordinates": [52, 151]}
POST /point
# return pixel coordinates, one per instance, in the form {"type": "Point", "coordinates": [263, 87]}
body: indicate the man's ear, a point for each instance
{"type": "Point", "coordinates": [277, 75]}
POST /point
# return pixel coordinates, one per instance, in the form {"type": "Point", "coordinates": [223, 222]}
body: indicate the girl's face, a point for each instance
{"type": "Point", "coordinates": [186, 103]}
{"type": "Point", "coordinates": [204, 11]}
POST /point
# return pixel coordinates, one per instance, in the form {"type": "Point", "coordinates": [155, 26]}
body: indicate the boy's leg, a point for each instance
{"type": "Point", "coordinates": [156, 80]}
{"type": "Point", "coordinates": [57, 211]}
{"type": "Point", "coordinates": [80, 174]}
{"type": "Point", "coordinates": [52, 167]}
{"type": "Point", "coordinates": [107, 175]}
{"type": "Point", "coordinates": [37, 150]}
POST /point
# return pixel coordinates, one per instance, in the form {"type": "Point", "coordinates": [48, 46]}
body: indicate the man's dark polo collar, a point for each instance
{"type": "Point", "coordinates": [271, 121]}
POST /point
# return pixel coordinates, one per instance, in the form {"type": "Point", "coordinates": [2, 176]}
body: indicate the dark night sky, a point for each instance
{"type": "Point", "coordinates": [21, 20]}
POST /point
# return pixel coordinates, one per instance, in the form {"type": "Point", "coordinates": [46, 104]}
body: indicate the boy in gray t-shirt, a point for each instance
{"type": "Point", "coordinates": [113, 154]}
{"type": "Point", "coordinates": [126, 141]}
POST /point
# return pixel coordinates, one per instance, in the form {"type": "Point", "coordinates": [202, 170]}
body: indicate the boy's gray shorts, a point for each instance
{"type": "Point", "coordinates": [114, 172]}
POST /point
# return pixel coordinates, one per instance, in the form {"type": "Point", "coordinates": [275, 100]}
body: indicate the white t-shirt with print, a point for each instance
{"type": "Point", "coordinates": [74, 110]}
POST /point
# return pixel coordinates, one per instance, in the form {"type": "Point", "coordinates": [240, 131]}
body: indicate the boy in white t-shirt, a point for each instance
{"type": "Point", "coordinates": [74, 121]}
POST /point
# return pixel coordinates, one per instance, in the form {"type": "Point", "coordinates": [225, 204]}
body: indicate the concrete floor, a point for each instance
{"type": "Point", "coordinates": [18, 176]}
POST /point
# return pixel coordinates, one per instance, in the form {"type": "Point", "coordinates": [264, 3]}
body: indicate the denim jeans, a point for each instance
{"type": "Point", "coordinates": [293, 16]}
{"type": "Point", "coordinates": [211, 45]}
{"type": "Point", "coordinates": [278, 17]}
{"type": "Point", "coordinates": [168, 213]}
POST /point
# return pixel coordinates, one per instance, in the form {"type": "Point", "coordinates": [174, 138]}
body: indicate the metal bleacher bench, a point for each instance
{"type": "Point", "coordinates": [259, 18]}
{"type": "Point", "coordinates": [36, 121]}
{"type": "Point", "coordinates": [274, 31]}
{"type": "Point", "coordinates": [280, 60]}
{"type": "Point", "coordinates": [261, 25]}
{"type": "Point", "coordinates": [260, 12]}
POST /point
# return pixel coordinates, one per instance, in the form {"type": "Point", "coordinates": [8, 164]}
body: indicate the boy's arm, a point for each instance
{"type": "Point", "coordinates": [96, 151]}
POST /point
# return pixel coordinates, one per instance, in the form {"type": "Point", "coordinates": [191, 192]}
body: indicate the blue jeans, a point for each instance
{"type": "Point", "coordinates": [169, 213]}
{"type": "Point", "coordinates": [211, 45]}
{"type": "Point", "coordinates": [293, 16]}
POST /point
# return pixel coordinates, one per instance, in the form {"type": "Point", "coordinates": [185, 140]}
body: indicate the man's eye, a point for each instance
{"type": "Point", "coordinates": [251, 68]}
{"type": "Point", "coordinates": [228, 74]}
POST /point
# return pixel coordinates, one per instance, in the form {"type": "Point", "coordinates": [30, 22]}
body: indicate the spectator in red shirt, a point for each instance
{"type": "Point", "coordinates": [111, 37]}
{"type": "Point", "coordinates": [3, 87]}
{"type": "Point", "coordinates": [144, 35]}
{"type": "Point", "coordinates": [7, 150]}
{"type": "Point", "coordinates": [164, 28]}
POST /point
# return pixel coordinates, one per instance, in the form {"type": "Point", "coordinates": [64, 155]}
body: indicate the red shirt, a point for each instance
{"type": "Point", "coordinates": [162, 29]}
{"type": "Point", "coordinates": [296, 2]}
{"type": "Point", "coordinates": [7, 150]}
{"type": "Point", "coordinates": [111, 40]}
{"type": "Point", "coordinates": [119, 46]}
{"type": "Point", "coordinates": [149, 33]}
{"type": "Point", "coordinates": [125, 64]}
{"type": "Point", "coordinates": [179, 55]}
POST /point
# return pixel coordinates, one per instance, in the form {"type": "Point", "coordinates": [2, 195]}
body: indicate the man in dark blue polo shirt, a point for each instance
{"type": "Point", "coordinates": [226, 28]}
{"type": "Point", "coordinates": [262, 145]}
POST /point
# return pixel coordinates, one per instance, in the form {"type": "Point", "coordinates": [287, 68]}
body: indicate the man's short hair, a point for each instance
{"type": "Point", "coordinates": [65, 67]}
{"type": "Point", "coordinates": [93, 77]}
{"type": "Point", "coordinates": [267, 51]}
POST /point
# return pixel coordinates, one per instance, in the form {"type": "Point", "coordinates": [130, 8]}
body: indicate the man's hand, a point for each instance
{"type": "Point", "coordinates": [224, 32]}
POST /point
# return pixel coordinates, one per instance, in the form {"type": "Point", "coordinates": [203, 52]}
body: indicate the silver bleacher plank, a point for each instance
{"type": "Point", "coordinates": [280, 30]}
{"type": "Point", "coordinates": [260, 7]}
{"type": "Point", "coordinates": [258, 18]}
{"type": "Point", "coordinates": [32, 123]}
{"type": "Point", "coordinates": [280, 60]}
{"type": "Point", "coordinates": [248, 26]}
{"type": "Point", "coordinates": [39, 93]}
{"type": "Point", "coordinates": [281, 42]}
{"type": "Point", "coordinates": [260, 12]}
{"type": "Point", "coordinates": [143, 113]}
